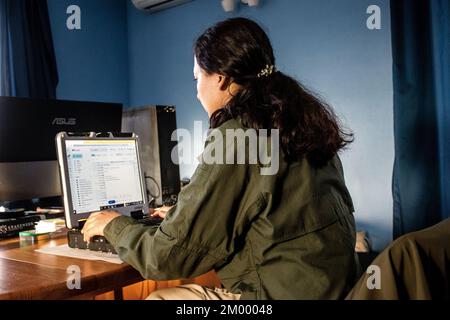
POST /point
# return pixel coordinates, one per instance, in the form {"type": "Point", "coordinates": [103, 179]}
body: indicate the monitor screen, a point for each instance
{"type": "Point", "coordinates": [103, 174]}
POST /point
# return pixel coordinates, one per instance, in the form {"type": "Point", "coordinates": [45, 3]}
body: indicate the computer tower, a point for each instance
{"type": "Point", "coordinates": [154, 125]}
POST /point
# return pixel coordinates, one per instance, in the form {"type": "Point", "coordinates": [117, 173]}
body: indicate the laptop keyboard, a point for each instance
{"type": "Point", "coordinates": [99, 243]}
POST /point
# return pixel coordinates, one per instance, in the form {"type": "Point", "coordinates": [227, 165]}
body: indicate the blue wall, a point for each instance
{"type": "Point", "coordinates": [323, 43]}
{"type": "Point", "coordinates": [92, 62]}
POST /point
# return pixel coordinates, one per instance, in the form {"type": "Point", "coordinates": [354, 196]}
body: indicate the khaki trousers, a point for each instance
{"type": "Point", "coordinates": [192, 292]}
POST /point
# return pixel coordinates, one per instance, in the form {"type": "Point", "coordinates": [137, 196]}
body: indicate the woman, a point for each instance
{"type": "Point", "coordinates": [289, 235]}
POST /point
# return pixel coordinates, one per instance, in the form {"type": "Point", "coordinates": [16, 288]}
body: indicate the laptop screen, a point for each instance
{"type": "Point", "coordinates": [103, 174]}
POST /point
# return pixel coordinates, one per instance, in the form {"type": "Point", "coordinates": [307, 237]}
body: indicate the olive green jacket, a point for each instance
{"type": "Point", "coordinates": [285, 236]}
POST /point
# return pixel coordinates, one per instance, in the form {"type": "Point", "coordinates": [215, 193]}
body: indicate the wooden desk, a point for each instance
{"type": "Point", "coordinates": [27, 274]}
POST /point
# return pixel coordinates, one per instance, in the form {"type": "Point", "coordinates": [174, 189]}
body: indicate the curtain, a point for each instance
{"type": "Point", "coordinates": [28, 64]}
{"type": "Point", "coordinates": [421, 65]}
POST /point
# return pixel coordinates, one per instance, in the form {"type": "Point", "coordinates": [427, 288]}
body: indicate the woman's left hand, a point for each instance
{"type": "Point", "coordinates": [96, 224]}
{"type": "Point", "coordinates": [160, 212]}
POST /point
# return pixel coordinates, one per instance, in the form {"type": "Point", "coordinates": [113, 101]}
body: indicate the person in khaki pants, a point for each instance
{"type": "Point", "coordinates": [276, 229]}
{"type": "Point", "coordinates": [415, 266]}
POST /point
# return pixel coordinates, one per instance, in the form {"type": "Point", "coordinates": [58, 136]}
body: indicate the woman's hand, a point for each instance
{"type": "Point", "coordinates": [160, 212]}
{"type": "Point", "coordinates": [96, 224]}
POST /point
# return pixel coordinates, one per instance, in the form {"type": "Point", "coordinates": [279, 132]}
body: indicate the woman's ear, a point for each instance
{"type": "Point", "coordinates": [220, 80]}
{"type": "Point", "coordinates": [224, 83]}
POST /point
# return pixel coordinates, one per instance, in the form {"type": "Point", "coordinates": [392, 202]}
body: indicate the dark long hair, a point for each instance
{"type": "Point", "coordinates": [239, 50]}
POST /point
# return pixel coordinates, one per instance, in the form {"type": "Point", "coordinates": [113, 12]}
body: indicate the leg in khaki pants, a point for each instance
{"type": "Point", "coordinates": [193, 292]}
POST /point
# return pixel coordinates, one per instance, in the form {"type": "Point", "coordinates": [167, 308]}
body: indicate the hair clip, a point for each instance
{"type": "Point", "coordinates": [267, 71]}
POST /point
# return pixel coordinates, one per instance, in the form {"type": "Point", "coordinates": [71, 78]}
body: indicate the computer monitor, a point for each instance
{"type": "Point", "coordinates": [101, 173]}
{"type": "Point", "coordinates": [28, 160]}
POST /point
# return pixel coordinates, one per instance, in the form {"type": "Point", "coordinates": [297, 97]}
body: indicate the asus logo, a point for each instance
{"type": "Point", "coordinates": [64, 122]}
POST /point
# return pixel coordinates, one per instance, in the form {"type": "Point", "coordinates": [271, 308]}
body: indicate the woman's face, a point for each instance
{"type": "Point", "coordinates": [209, 90]}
